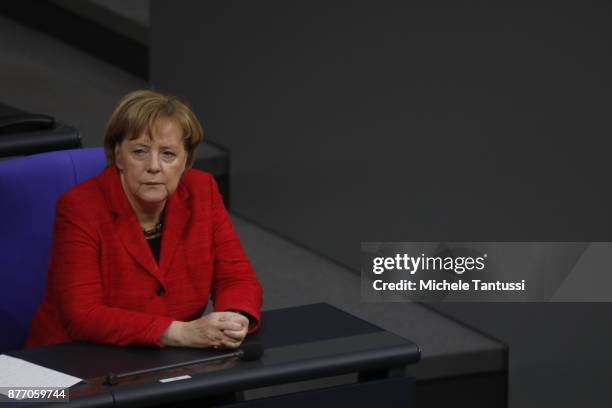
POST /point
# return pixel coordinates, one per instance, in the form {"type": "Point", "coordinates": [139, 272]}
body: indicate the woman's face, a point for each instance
{"type": "Point", "coordinates": [152, 164]}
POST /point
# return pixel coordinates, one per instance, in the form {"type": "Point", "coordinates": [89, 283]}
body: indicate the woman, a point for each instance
{"type": "Point", "coordinates": [138, 250]}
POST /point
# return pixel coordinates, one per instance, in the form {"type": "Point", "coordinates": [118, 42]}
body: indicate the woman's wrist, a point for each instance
{"type": "Point", "coordinates": [175, 334]}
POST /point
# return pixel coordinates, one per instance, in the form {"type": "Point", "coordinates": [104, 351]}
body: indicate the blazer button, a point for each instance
{"type": "Point", "coordinates": [160, 291]}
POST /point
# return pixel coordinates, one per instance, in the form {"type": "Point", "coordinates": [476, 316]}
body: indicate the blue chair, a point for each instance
{"type": "Point", "coordinates": [29, 189]}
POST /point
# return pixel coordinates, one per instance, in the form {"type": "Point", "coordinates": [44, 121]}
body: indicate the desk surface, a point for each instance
{"type": "Point", "coordinates": [300, 343]}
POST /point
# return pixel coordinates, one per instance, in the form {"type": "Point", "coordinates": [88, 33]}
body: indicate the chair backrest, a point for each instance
{"type": "Point", "coordinates": [29, 189]}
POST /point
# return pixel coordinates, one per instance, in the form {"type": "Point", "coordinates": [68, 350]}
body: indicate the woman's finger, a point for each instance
{"type": "Point", "coordinates": [235, 334]}
{"type": "Point", "coordinates": [229, 325]}
{"type": "Point", "coordinates": [236, 317]}
{"type": "Point", "coordinates": [231, 343]}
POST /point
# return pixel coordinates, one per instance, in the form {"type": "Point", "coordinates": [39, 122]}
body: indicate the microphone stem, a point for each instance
{"type": "Point", "coordinates": [237, 353]}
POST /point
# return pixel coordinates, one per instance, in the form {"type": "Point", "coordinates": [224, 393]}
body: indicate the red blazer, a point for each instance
{"type": "Point", "coordinates": [104, 284]}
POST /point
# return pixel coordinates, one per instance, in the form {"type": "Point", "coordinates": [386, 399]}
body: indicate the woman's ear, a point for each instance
{"type": "Point", "coordinates": [187, 166]}
{"type": "Point", "coordinates": [118, 158]}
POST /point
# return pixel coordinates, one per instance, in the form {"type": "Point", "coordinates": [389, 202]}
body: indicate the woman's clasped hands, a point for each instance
{"type": "Point", "coordinates": [216, 329]}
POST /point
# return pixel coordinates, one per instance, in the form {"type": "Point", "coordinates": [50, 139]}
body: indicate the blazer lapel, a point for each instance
{"type": "Point", "coordinates": [176, 219]}
{"type": "Point", "coordinates": [126, 224]}
{"type": "Point", "coordinates": [133, 239]}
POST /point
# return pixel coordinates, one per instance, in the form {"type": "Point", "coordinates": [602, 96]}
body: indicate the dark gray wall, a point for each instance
{"type": "Point", "coordinates": [560, 353]}
{"type": "Point", "coordinates": [392, 121]}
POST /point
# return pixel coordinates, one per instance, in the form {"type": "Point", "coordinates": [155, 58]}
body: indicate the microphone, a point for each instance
{"type": "Point", "coordinates": [247, 352]}
{"type": "Point", "coordinates": [250, 352]}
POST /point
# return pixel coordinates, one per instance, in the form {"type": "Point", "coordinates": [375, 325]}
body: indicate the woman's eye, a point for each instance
{"type": "Point", "coordinates": [168, 155]}
{"type": "Point", "coordinates": [139, 152]}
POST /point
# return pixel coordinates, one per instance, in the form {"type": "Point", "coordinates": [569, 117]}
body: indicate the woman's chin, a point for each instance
{"type": "Point", "coordinates": [152, 198]}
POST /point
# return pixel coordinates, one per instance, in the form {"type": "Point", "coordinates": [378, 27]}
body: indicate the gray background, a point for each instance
{"type": "Point", "coordinates": [416, 121]}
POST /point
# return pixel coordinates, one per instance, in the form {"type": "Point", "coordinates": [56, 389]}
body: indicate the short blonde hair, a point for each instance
{"type": "Point", "coordinates": [138, 111]}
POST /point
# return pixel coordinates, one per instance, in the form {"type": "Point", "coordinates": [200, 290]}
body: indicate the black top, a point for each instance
{"type": "Point", "coordinates": [155, 245]}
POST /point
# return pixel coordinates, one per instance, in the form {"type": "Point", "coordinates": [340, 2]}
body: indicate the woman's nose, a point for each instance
{"type": "Point", "coordinates": [154, 163]}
